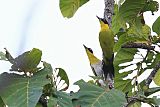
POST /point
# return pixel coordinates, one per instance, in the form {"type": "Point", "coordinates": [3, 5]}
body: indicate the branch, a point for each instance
{"type": "Point", "coordinates": [134, 99]}
{"type": "Point", "coordinates": [152, 74]}
{"type": "Point", "coordinates": [108, 10]}
{"type": "Point", "coordinates": [138, 45]}
{"type": "Point", "coordinates": [131, 100]}
{"type": "Point", "coordinates": [108, 13]}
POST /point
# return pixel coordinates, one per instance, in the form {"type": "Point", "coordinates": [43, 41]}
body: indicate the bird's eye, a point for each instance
{"type": "Point", "coordinates": [90, 50]}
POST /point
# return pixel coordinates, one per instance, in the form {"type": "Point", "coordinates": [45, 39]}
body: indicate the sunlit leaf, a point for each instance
{"type": "Point", "coordinates": [156, 27]}
{"type": "Point", "coordinates": [69, 7]}
{"type": "Point", "coordinates": [156, 79]}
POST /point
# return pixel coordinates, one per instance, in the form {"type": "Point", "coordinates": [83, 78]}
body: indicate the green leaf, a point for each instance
{"type": "Point", "coordinates": [155, 61]}
{"type": "Point", "coordinates": [21, 91]}
{"type": "Point", "coordinates": [156, 78]}
{"type": "Point", "coordinates": [52, 102]}
{"type": "Point", "coordinates": [151, 6]}
{"type": "Point", "coordinates": [60, 99]}
{"type": "Point", "coordinates": [28, 61]}
{"type": "Point", "coordinates": [63, 99]}
{"type": "Point", "coordinates": [156, 26]}
{"type": "Point", "coordinates": [130, 9]}
{"type": "Point", "coordinates": [63, 76]}
{"type": "Point", "coordinates": [154, 100]}
{"type": "Point", "coordinates": [1, 103]}
{"type": "Point", "coordinates": [91, 95]}
{"type": "Point", "coordinates": [124, 55]}
{"type": "Point", "coordinates": [69, 7]}
{"type": "Point", "coordinates": [150, 56]}
{"type": "Point", "coordinates": [123, 85]}
{"type": "Point", "coordinates": [117, 22]}
{"type": "Point", "coordinates": [136, 104]}
{"type": "Point", "coordinates": [139, 33]}
{"type": "Point", "coordinates": [2, 56]}
{"type": "Point", "coordinates": [151, 91]}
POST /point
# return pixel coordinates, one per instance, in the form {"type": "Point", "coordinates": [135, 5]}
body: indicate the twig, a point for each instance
{"type": "Point", "coordinates": [152, 74]}
{"type": "Point", "coordinates": [131, 100]}
{"type": "Point", "coordinates": [138, 45]}
{"type": "Point", "coordinates": [108, 10]}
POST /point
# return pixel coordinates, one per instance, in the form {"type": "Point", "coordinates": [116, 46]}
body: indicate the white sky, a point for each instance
{"type": "Point", "coordinates": [27, 24]}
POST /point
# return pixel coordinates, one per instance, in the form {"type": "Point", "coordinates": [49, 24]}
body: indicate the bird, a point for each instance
{"type": "Point", "coordinates": [96, 65]}
{"type": "Point", "coordinates": [106, 40]}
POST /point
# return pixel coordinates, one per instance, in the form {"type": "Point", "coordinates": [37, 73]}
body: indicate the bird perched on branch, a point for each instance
{"type": "Point", "coordinates": [106, 39]}
{"type": "Point", "coordinates": [96, 65]}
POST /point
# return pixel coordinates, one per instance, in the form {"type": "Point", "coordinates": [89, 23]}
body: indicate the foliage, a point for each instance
{"type": "Point", "coordinates": [91, 95]}
{"type": "Point", "coordinates": [29, 84]}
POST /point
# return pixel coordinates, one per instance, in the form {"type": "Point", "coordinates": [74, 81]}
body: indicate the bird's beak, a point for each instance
{"type": "Point", "coordinates": [100, 19]}
{"type": "Point", "coordinates": [84, 46]}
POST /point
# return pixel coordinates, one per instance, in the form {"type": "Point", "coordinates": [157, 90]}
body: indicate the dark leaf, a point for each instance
{"type": "Point", "coordinates": [28, 61]}
{"type": "Point", "coordinates": [20, 91]}
{"type": "Point", "coordinates": [91, 95]}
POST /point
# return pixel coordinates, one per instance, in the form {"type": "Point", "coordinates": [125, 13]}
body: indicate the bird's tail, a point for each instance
{"type": "Point", "coordinates": [109, 72]}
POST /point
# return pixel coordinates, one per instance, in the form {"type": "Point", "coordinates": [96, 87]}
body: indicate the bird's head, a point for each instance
{"type": "Point", "coordinates": [88, 49]}
{"type": "Point", "coordinates": [104, 24]}
{"type": "Point", "coordinates": [91, 57]}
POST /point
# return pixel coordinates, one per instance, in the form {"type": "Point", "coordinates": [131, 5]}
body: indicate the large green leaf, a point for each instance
{"type": "Point", "coordinates": [69, 7]}
{"type": "Point", "coordinates": [123, 56]}
{"type": "Point", "coordinates": [130, 9]}
{"type": "Point", "coordinates": [91, 95]}
{"type": "Point", "coordinates": [21, 91]}
{"type": "Point", "coordinates": [28, 61]}
{"type": "Point", "coordinates": [156, 26]}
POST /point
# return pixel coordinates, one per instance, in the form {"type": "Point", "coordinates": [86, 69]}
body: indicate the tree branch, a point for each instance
{"type": "Point", "coordinates": [108, 10]}
{"type": "Point", "coordinates": [134, 99]}
{"type": "Point", "coordinates": [138, 45]}
{"type": "Point", "coordinates": [131, 100]}
{"type": "Point", "coordinates": [152, 74]}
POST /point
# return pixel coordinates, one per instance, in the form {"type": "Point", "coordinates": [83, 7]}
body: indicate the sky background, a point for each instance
{"type": "Point", "coordinates": [27, 24]}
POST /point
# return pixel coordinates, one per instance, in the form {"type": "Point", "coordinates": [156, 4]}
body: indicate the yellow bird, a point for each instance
{"type": "Point", "coordinates": [106, 39]}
